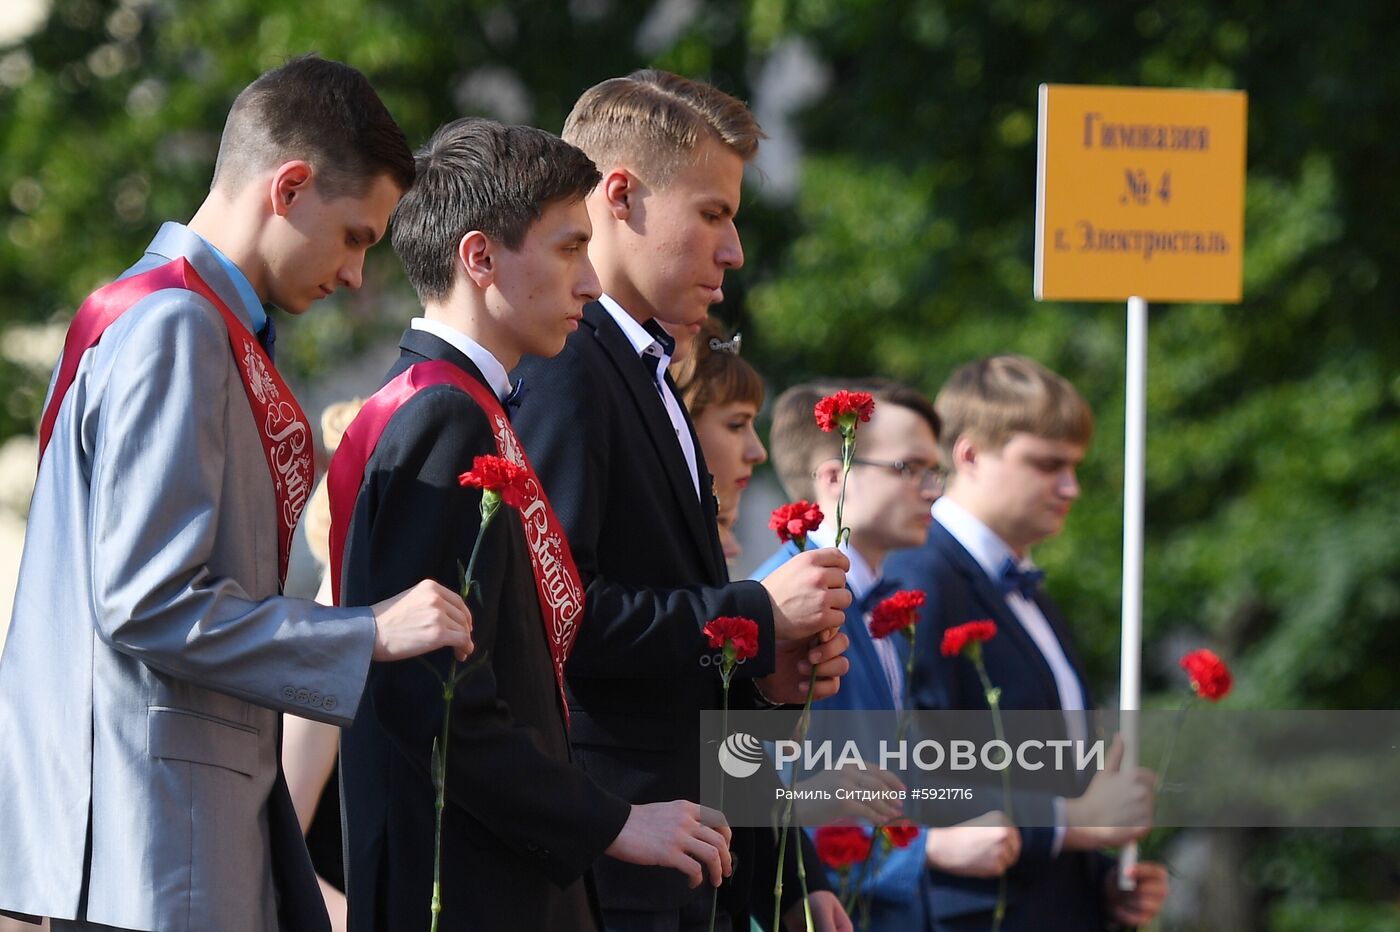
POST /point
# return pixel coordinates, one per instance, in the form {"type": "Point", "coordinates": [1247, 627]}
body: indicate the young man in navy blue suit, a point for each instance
{"type": "Point", "coordinates": [1013, 435]}
{"type": "Point", "coordinates": [896, 477]}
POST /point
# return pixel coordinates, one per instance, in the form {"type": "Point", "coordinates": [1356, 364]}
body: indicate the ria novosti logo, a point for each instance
{"type": "Point", "coordinates": [740, 755]}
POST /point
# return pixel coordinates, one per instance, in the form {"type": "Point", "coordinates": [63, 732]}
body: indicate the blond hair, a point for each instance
{"type": "Point", "coordinates": [655, 122]}
{"type": "Point", "coordinates": [317, 520]}
{"type": "Point", "coordinates": [990, 399]}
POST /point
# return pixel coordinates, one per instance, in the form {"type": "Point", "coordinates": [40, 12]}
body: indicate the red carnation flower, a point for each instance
{"type": "Point", "coordinates": [742, 632]}
{"type": "Point", "coordinates": [795, 520]}
{"type": "Point", "coordinates": [972, 632]}
{"type": "Point", "coordinates": [1210, 677]}
{"type": "Point", "coordinates": [844, 409]}
{"type": "Point", "coordinates": [839, 846]}
{"type": "Point", "coordinates": [898, 612]}
{"type": "Point", "coordinates": [496, 474]}
{"type": "Point", "coordinates": [901, 832]}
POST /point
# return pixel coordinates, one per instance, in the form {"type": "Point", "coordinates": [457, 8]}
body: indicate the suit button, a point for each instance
{"type": "Point", "coordinates": [289, 693]}
{"type": "Point", "coordinates": [329, 703]}
{"type": "Point", "coordinates": [315, 699]}
{"type": "Point", "coordinates": [303, 695]}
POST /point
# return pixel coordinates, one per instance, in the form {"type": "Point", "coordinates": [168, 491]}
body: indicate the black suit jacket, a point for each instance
{"type": "Point", "coordinates": [596, 428]}
{"type": "Point", "coordinates": [523, 823]}
{"type": "Point", "coordinates": [1045, 892]}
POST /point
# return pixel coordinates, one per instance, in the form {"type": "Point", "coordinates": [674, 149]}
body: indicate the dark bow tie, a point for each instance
{"type": "Point", "coordinates": [267, 336]}
{"type": "Point", "coordinates": [517, 394]}
{"type": "Point", "coordinates": [1014, 579]}
{"type": "Point", "coordinates": [883, 589]}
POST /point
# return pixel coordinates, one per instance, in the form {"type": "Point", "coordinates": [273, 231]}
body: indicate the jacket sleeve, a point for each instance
{"type": "Point", "coordinates": [421, 523]}
{"type": "Point", "coordinates": [157, 481]}
{"type": "Point", "coordinates": [572, 441]}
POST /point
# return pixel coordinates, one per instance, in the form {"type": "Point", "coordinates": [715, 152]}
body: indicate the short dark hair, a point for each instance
{"type": "Point", "coordinates": [324, 112]}
{"type": "Point", "coordinates": [476, 174]}
{"type": "Point", "coordinates": [799, 445]}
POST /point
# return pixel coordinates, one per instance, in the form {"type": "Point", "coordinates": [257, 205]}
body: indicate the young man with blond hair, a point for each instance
{"type": "Point", "coordinates": [1014, 434]}
{"type": "Point", "coordinates": [151, 650]}
{"type": "Point", "coordinates": [620, 461]}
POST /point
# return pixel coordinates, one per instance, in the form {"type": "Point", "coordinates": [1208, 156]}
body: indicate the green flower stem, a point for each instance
{"type": "Point", "coordinates": [848, 452]}
{"type": "Point", "coordinates": [726, 673]}
{"type": "Point", "coordinates": [1171, 742]}
{"type": "Point", "coordinates": [490, 503]}
{"type": "Point", "coordinates": [994, 702]}
{"type": "Point", "coordinates": [848, 455]}
{"type": "Point", "coordinates": [803, 724]}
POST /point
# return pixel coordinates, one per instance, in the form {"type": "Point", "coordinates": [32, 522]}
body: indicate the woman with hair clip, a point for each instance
{"type": "Point", "coordinates": [723, 394]}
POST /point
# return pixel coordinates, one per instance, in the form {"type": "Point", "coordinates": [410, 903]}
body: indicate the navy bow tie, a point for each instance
{"type": "Point", "coordinates": [267, 336]}
{"type": "Point", "coordinates": [883, 589]}
{"type": "Point", "coordinates": [1014, 579]}
{"type": "Point", "coordinates": [517, 394]}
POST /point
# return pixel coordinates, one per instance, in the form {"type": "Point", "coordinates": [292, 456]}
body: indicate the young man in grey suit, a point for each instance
{"type": "Point", "coordinates": [151, 651]}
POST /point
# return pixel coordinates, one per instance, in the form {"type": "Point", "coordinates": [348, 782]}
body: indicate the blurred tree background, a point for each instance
{"type": "Point", "coordinates": [889, 230]}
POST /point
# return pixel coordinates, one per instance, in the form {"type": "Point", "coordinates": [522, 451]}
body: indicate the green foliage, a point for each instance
{"type": "Point", "coordinates": [1273, 435]}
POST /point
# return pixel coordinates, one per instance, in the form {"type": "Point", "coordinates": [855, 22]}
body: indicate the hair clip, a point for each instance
{"type": "Point", "coordinates": [730, 346]}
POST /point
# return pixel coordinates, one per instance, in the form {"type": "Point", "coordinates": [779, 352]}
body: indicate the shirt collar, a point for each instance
{"type": "Point", "coordinates": [986, 547]}
{"type": "Point", "coordinates": [491, 368]}
{"type": "Point", "coordinates": [643, 340]}
{"type": "Point", "coordinates": [861, 577]}
{"type": "Point", "coordinates": [257, 316]}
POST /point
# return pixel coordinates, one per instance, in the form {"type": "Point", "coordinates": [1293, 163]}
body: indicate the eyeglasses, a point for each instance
{"type": "Point", "coordinates": [926, 477]}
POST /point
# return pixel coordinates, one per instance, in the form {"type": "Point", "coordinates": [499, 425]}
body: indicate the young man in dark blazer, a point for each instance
{"type": "Point", "coordinates": [1013, 435]}
{"type": "Point", "coordinates": [494, 239]}
{"type": "Point", "coordinates": [619, 458]}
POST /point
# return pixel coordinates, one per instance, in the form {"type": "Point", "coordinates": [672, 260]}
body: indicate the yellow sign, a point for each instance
{"type": "Point", "coordinates": [1139, 192]}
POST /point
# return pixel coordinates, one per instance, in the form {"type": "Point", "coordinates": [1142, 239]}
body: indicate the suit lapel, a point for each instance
{"type": "Point", "coordinates": [651, 412]}
{"type": "Point", "coordinates": [990, 598]}
{"type": "Point", "coordinates": [421, 346]}
{"type": "Point", "coordinates": [1052, 614]}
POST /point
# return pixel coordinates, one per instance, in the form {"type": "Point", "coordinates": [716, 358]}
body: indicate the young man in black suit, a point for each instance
{"type": "Point", "coordinates": [1014, 434]}
{"type": "Point", "coordinates": [494, 239]}
{"type": "Point", "coordinates": [619, 458]}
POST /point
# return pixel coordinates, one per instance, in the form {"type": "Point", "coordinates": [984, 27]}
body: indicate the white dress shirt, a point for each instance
{"type": "Point", "coordinates": [861, 578]}
{"type": "Point", "coordinates": [490, 366]}
{"type": "Point", "coordinates": [647, 345]}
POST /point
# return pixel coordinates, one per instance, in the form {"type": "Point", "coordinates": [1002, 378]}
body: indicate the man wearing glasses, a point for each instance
{"type": "Point", "coordinates": [893, 482]}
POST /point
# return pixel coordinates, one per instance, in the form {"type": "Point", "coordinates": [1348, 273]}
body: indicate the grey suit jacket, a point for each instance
{"type": "Point", "coordinates": [150, 655]}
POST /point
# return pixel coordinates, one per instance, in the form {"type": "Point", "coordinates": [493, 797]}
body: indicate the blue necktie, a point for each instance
{"type": "Point", "coordinates": [1014, 579]}
{"type": "Point", "coordinates": [267, 336]}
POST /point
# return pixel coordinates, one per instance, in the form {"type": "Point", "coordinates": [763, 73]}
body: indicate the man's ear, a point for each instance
{"type": "Point", "coordinates": [291, 181]}
{"type": "Point", "coordinates": [965, 453]}
{"type": "Point", "coordinates": [620, 189]}
{"type": "Point", "coordinates": [826, 478]}
{"type": "Point", "coordinates": [475, 256]}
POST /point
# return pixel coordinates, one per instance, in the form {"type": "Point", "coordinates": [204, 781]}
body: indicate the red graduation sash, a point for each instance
{"type": "Point", "coordinates": [557, 582]}
{"type": "Point", "coordinates": [282, 425]}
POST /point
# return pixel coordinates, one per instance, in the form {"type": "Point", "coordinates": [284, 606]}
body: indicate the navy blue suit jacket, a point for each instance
{"type": "Point", "coordinates": [1063, 893]}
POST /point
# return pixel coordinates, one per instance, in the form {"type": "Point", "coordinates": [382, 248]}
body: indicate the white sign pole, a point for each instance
{"type": "Point", "coordinates": [1134, 481]}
